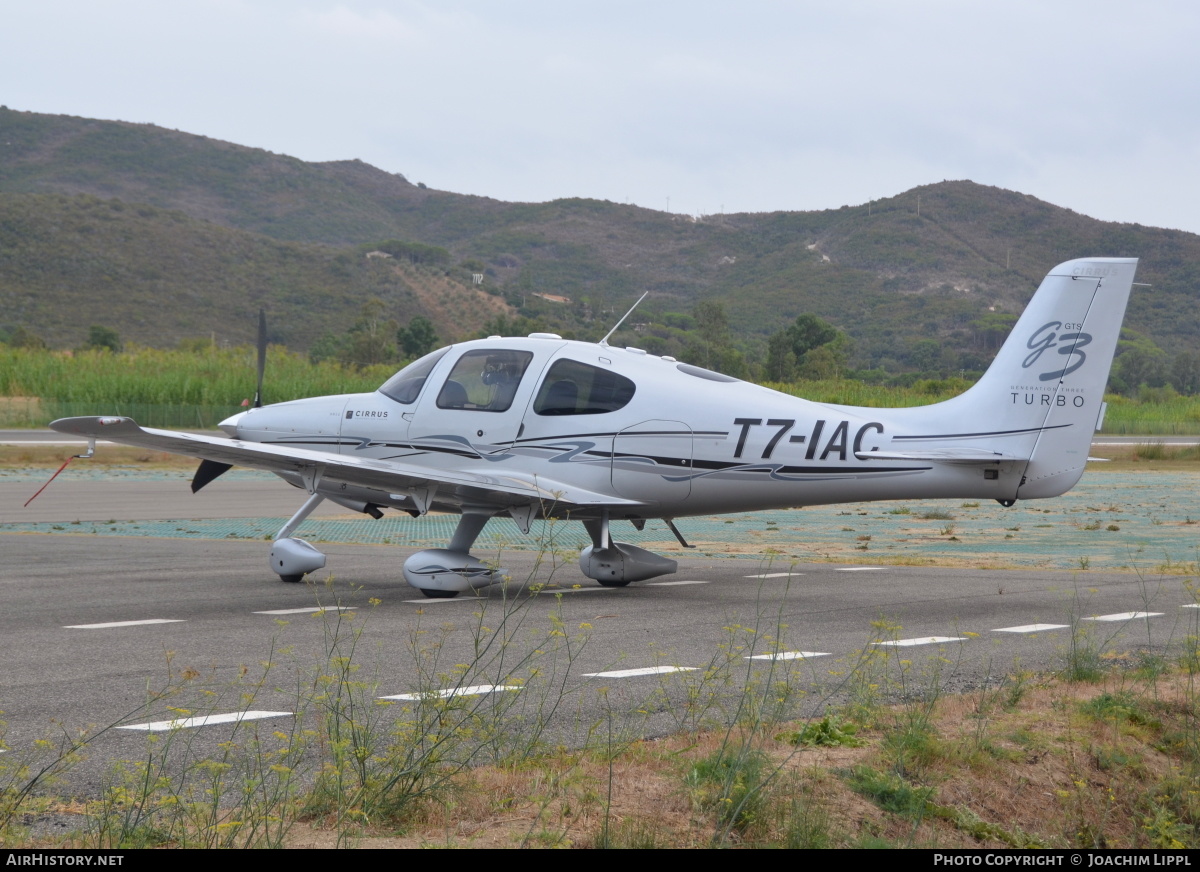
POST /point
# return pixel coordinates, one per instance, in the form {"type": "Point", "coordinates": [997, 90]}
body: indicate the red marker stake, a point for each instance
{"type": "Point", "coordinates": [47, 484]}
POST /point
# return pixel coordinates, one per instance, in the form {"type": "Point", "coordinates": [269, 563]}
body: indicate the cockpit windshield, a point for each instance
{"type": "Point", "coordinates": [405, 386]}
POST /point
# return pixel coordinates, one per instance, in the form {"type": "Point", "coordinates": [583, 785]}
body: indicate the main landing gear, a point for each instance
{"type": "Point", "coordinates": [442, 573]}
{"type": "Point", "coordinates": [292, 558]}
{"type": "Point", "coordinates": [439, 573]}
{"type": "Point", "coordinates": [616, 564]}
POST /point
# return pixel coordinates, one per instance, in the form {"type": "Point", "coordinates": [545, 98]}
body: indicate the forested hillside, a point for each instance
{"type": "Point", "coordinates": [163, 235]}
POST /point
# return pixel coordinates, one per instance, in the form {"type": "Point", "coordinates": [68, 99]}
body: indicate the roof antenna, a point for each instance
{"type": "Point", "coordinates": [604, 341]}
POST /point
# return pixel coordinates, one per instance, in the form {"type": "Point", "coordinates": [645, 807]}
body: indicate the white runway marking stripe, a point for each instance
{"type": "Point", "coordinates": [925, 640]}
{"type": "Point", "coordinates": [574, 589]}
{"type": "Point", "coordinates": [858, 568]}
{"type": "Point", "coordinates": [112, 624]}
{"type": "Point", "coordinates": [636, 673]}
{"type": "Point", "coordinates": [47, 442]}
{"type": "Point", "coordinates": [204, 721]}
{"type": "Point", "coordinates": [773, 574]}
{"type": "Point", "coordinates": [789, 655]}
{"type": "Point", "coordinates": [433, 601]}
{"type": "Point", "coordinates": [1124, 616]}
{"type": "Point", "coordinates": [1167, 442]}
{"type": "Point", "coordinates": [447, 693]}
{"type": "Point", "coordinates": [1030, 628]}
{"type": "Point", "coordinates": [308, 610]}
{"type": "Point", "coordinates": [673, 583]}
{"type": "Point", "coordinates": [1190, 606]}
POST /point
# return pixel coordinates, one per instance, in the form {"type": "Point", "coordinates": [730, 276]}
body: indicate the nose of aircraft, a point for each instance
{"type": "Point", "coordinates": [230, 424]}
{"type": "Point", "coordinates": [315, 416]}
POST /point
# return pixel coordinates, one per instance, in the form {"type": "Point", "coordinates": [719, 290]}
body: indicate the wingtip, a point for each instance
{"type": "Point", "coordinates": [71, 425]}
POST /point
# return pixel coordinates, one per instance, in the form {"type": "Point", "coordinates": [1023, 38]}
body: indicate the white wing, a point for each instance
{"type": "Point", "coordinates": [475, 487]}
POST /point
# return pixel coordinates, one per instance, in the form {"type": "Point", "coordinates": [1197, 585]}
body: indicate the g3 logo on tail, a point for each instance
{"type": "Point", "coordinates": [1045, 338]}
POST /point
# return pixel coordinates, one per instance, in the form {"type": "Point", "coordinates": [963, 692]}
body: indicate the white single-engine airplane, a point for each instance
{"type": "Point", "coordinates": [542, 427]}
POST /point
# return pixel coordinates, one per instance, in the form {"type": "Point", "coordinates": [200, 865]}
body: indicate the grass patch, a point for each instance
{"type": "Point", "coordinates": [730, 784]}
{"type": "Point", "coordinates": [1161, 451]}
{"type": "Point", "coordinates": [890, 792]}
{"type": "Point", "coordinates": [829, 732]}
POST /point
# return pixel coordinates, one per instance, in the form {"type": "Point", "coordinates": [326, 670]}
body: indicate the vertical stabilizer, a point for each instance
{"type": "Point", "coordinates": [1046, 386]}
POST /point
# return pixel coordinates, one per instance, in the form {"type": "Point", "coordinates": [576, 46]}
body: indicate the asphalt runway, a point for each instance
{"type": "Point", "coordinates": [137, 629]}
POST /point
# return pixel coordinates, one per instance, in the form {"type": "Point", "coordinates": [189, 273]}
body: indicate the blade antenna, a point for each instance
{"type": "Point", "coordinates": [262, 356]}
{"type": "Point", "coordinates": [604, 341]}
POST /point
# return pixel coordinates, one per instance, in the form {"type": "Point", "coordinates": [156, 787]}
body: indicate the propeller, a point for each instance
{"type": "Point", "coordinates": [262, 356]}
{"type": "Point", "coordinates": [207, 471]}
{"type": "Point", "coordinates": [211, 469]}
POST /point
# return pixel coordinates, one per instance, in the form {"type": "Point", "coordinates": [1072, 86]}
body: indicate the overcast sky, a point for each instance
{"type": "Point", "coordinates": [694, 106]}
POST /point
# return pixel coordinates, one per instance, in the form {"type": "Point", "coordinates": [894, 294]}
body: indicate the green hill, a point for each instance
{"type": "Point", "coordinates": [158, 276]}
{"type": "Point", "coordinates": [169, 233]}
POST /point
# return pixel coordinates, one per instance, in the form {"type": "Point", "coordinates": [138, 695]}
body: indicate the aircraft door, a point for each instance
{"type": "Point", "coordinates": [653, 461]}
{"type": "Point", "coordinates": [477, 410]}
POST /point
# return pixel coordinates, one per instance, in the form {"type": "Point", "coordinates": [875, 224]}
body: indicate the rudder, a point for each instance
{"type": "Point", "coordinates": [1051, 372]}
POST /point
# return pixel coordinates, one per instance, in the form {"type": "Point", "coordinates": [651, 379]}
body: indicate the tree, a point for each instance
{"type": "Point", "coordinates": [824, 362]}
{"type": "Point", "coordinates": [809, 332]}
{"type": "Point", "coordinates": [810, 348]}
{"type": "Point", "coordinates": [781, 359]}
{"type": "Point", "coordinates": [733, 363]}
{"type": "Point", "coordinates": [519, 325]}
{"type": "Point", "coordinates": [370, 338]}
{"type": "Point", "coordinates": [925, 355]}
{"type": "Point", "coordinates": [1140, 362]}
{"type": "Point", "coordinates": [22, 338]}
{"type": "Point", "coordinates": [103, 338]}
{"type": "Point", "coordinates": [992, 328]}
{"type": "Point", "coordinates": [418, 338]}
{"type": "Point", "coordinates": [1185, 373]}
{"type": "Point", "coordinates": [328, 347]}
{"type": "Point", "coordinates": [414, 252]}
{"type": "Point", "coordinates": [713, 326]}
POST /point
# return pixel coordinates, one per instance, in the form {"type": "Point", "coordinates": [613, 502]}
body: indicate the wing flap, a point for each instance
{"type": "Point", "coordinates": [501, 490]}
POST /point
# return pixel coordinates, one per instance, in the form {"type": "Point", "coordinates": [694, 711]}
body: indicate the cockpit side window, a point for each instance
{"type": "Point", "coordinates": [484, 381]}
{"type": "Point", "coordinates": [574, 388]}
{"type": "Point", "coordinates": [405, 386]}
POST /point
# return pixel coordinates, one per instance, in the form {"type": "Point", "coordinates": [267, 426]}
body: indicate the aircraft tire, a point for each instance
{"type": "Point", "coordinates": [434, 593]}
{"type": "Point", "coordinates": [292, 579]}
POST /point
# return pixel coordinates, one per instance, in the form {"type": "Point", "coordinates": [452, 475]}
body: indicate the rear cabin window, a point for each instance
{"type": "Point", "coordinates": [574, 388]}
{"type": "Point", "coordinates": [405, 386]}
{"type": "Point", "coordinates": [484, 381]}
